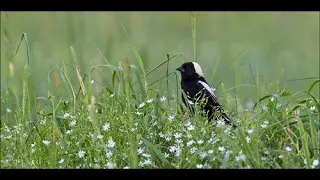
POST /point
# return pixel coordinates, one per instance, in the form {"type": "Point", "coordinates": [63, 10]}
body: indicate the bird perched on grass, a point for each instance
{"type": "Point", "coordinates": [196, 89]}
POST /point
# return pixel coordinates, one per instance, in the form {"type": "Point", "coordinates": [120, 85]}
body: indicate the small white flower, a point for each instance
{"type": "Point", "coordinates": [203, 155]}
{"type": "Point", "coordinates": [32, 145]}
{"type": "Point", "coordinates": [178, 152]}
{"type": "Point", "coordinates": [190, 128]}
{"type": "Point", "coordinates": [315, 162]}
{"type": "Point", "coordinates": [66, 115]}
{"type": "Point", "coordinates": [266, 152]}
{"type": "Point", "coordinates": [281, 156]}
{"type": "Point", "coordinates": [126, 167]}
{"type": "Point", "coordinates": [163, 98]}
{"type": "Point", "coordinates": [220, 123]}
{"type": "Point", "coordinates": [172, 149]}
{"type": "Point", "coordinates": [190, 143]}
{"type": "Point", "coordinates": [46, 142]}
{"type": "Point", "coordinates": [100, 136]}
{"type": "Point", "coordinates": [68, 132]}
{"type": "Point", "coordinates": [288, 149]}
{"type": "Point", "coordinates": [106, 126]}
{"type": "Point", "coordinates": [141, 105]}
{"type": "Point", "coordinates": [72, 123]}
{"type": "Point", "coordinates": [140, 150]}
{"type": "Point", "coordinates": [166, 155]}
{"type": "Point", "coordinates": [200, 141]}
{"type": "Point", "coordinates": [263, 158]}
{"type": "Point", "coordinates": [248, 139]}
{"type": "Point", "coordinates": [177, 135]}
{"type": "Point", "coordinates": [250, 131]}
{"type": "Point", "coordinates": [110, 165]}
{"type": "Point", "coordinates": [147, 162]}
{"type": "Point", "coordinates": [112, 95]}
{"type": "Point", "coordinates": [92, 81]}
{"type": "Point", "coordinates": [111, 143]}
{"type": "Point", "coordinates": [241, 156]}
{"type": "Point", "coordinates": [149, 100]}
{"type": "Point", "coordinates": [146, 155]}
{"type": "Point", "coordinates": [199, 166]}
{"type": "Point", "coordinates": [179, 141]}
{"type": "Point", "coordinates": [305, 161]}
{"type": "Point", "coordinates": [109, 154]}
{"type": "Point", "coordinates": [81, 153]}
{"type": "Point", "coordinates": [189, 135]}
{"type": "Point", "coordinates": [312, 108]}
{"type": "Point", "coordinates": [221, 148]}
{"type": "Point", "coordinates": [170, 118]}
{"type": "Point", "coordinates": [9, 110]}
{"type": "Point", "coordinates": [272, 98]}
{"type": "Point", "coordinates": [210, 151]}
{"type": "Point", "coordinates": [228, 152]}
{"type": "Point", "coordinates": [138, 113]}
{"type": "Point", "coordinates": [61, 161]}
{"type": "Point", "coordinates": [161, 135]}
{"type": "Point", "coordinates": [167, 138]}
{"type": "Point", "coordinates": [193, 150]}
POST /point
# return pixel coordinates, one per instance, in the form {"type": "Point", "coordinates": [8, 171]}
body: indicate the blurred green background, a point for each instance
{"type": "Point", "coordinates": [278, 45]}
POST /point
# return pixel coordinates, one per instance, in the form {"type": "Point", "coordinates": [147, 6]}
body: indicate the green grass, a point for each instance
{"type": "Point", "coordinates": [135, 119]}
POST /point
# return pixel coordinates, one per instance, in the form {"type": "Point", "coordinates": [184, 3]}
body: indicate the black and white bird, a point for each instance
{"type": "Point", "coordinates": [196, 89]}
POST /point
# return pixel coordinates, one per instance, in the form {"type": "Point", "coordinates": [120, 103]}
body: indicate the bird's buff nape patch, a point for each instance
{"type": "Point", "coordinates": [197, 68]}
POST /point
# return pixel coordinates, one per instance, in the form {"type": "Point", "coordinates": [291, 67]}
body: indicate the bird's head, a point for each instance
{"type": "Point", "coordinates": [190, 70]}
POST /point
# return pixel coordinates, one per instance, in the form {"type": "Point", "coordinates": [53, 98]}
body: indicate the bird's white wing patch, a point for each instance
{"type": "Point", "coordinates": [208, 88]}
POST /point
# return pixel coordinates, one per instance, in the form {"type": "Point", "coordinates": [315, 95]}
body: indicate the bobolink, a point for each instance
{"type": "Point", "coordinates": [196, 89]}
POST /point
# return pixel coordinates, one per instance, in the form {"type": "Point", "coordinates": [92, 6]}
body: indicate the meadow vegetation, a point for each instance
{"type": "Point", "coordinates": [100, 90]}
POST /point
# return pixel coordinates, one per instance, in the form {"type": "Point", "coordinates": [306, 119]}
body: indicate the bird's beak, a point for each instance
{"type": "Point", "coordinates": [180, 69]}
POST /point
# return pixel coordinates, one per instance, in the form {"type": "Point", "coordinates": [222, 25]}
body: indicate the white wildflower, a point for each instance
{"type": "Point", "coordinates": [46, 142]}
{"type": "Point", "coordinates": [248, 139]}
{"type": "Point", "coordinates": [190, 143]}
{"type": "Point", "coordinates": [281, 156]}
{"type": "Point", "coordinates": [250, 131]}
{"type": "Point", "coordinates": [81, 153]}
{"type": "Point", "coordinates": [163, 98]}
{"type": "Point", "coordinates": [199, 166]}
{"type": "Point", "coordinates": [241, 156]}
{"type": "Point", "coordinates": [190, 128]}
{"type": "Point", "coordinates": [177, 135]}
{"type": "Point", "coordinates": [193, 150]}
{"type": "Point", "coordinates": [138, 113]}
{"type": "Point", "coordinates": [141, 105]}
{"type": "Point", "coordinates": [61, 161]}
{"type": "Point", "coordinates": [289, 149]}
{"type": "Point", "coordinates": [210, 151]}
{"type": "Point", "coordinates": [221, 148]}
{"type": "Point", "coordinates": [315, 163]}
{"type": "Point", "coordinates": [149, 100]}
{"type": "Point", "coordinates": [203, 155]}
{"type": "Point", "coordinates": [220, 123]}
{"type": "Point", "coordinates": [72, 123]}
{"type": "Point", "coordinates": [200, 141]}
{"type": "Point", "coordinates": [140, 150]}
{"type": "Point", "coordinates": [66, 115]}
{"type": "Point", "coordinates": [166, 155]}
{"type": "Point", "coordinates": [179, 141]}
{"type": "Point", "coordinates": [110, 165]}
{"type": "Point", "coordinates": [111, 143]}
{"type": "Point", "coordinates": [9, 110]}
{"type": "Point", "coordinates": [172, 149]}
{"type": "Point", "coordinates": [109, 154]}
{"type": "Point", "coordinates": [100, 136]}
{"type": "Point", "coordinates": [147, 162]}
{"type": "Point", "coordinates": [106, 126]}
{"type": "Point", "coordinates": [170, 118]}
{"type": "Point", "coordinates": [312, 108]}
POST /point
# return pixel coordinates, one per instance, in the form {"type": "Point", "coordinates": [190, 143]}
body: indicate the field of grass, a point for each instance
{"type": "Point", "coordinates": [100, 90]}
